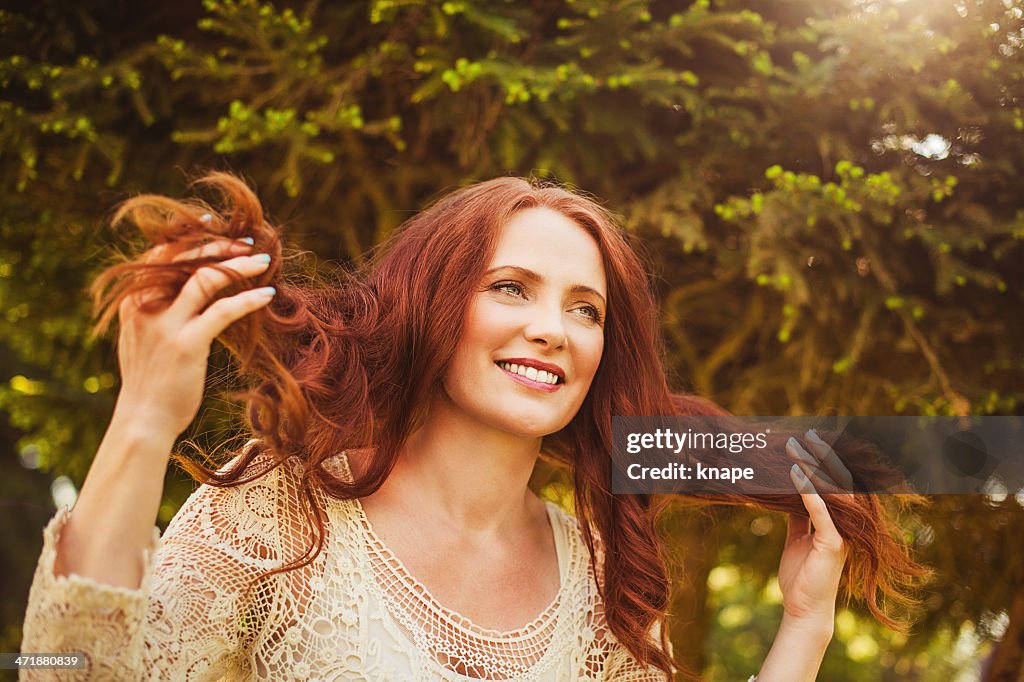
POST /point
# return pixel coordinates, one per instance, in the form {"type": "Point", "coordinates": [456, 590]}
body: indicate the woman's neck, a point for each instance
{"type": "Point", "coordinates": [469, 475]}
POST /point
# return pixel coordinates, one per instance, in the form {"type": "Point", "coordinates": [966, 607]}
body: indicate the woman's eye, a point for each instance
{"type": "Point", "coordinates": [510, 288]}
{"type": "Point", "coordinates": [590, 312]}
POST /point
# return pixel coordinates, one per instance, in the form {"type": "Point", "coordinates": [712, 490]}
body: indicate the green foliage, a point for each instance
{"type": "Point", "coordinates": [747, 609]}
{"type": "Point", "coordinates": [830, 189]}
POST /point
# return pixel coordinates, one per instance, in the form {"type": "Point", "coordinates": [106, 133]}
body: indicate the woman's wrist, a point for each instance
{"type": "Point", "coordinates": [798, 649]}
{"type": "Point", "coordinates": [814, 628]}
{"type": "Point", "coordinates": [132, 420]}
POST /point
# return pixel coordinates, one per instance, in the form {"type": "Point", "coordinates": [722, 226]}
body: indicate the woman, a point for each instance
{"type": "Point", "coordinates": [380, 526]}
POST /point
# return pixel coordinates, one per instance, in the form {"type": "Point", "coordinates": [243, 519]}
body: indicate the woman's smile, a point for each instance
{"type": "Point", "coordinates": [529, 375]}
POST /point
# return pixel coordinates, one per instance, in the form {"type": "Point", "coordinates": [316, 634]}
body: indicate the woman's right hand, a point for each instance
{"type": "Point", "coordinates": [163, 355]}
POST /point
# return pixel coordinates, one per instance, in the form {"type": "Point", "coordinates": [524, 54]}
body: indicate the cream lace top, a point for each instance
{"type": "Point", "coordinates": [354, 613]}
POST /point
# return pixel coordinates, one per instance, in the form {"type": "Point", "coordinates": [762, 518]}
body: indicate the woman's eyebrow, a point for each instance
{"type": "Point", "coordinates": [526, 273]}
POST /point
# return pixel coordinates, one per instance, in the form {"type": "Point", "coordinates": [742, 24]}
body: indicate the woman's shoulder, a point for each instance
{"type": "Point", "coordinates": [273, 488]}
{"type": "Point", "coordinates": [563, 521]}
{"type": "Point", "coordinates": [575, 563]}
{"type": "Point", "coordinates": [248, 513]}
{"type": "Point", "coordinates": [568, 525]}
{"type": "Point", "coordinates": [237, 519]}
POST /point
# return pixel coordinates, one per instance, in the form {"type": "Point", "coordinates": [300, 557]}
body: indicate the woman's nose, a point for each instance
{"type": "Point", "coordinates": [547, 327]}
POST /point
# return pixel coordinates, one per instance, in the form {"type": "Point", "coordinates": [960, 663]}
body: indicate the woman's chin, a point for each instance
{"type": "Point", "coordinates": [527, 428]}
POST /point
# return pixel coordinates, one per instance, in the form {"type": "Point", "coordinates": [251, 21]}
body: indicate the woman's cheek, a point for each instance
{"type": "Point", "coordinates": [494, 318]}
{"type": "Point", "coordinates": [591, 354]}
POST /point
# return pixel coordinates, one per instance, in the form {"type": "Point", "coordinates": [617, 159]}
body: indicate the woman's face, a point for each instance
{"type": "Point", "coordinates": [534, 331]}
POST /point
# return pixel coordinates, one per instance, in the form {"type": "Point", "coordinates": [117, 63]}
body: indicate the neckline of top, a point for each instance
{"type": "Point", "coordinates": [454, 617]}
{"type": "Point", "coordinates": [462, 622]}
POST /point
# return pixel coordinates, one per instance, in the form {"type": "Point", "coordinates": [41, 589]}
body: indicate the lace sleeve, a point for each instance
{"type": "Point", "coordinates": [190, 619]}
{"type": "Point", "coordinates": [622, 666]}
{"type": "Point", "coordinates": [608, 656]}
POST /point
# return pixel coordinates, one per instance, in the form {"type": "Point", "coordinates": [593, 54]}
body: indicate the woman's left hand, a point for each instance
{"type": "Point", "coordinates": [814, 555]}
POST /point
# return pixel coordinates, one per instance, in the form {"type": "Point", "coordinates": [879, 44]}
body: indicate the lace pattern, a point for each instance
{"type": "Point", "coordinates": [458, 644]}
{"type": "Point", "coordinates": [354, 613]}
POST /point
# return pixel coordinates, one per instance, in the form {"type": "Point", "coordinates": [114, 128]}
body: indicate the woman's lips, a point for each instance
{"type": "Point", "coordinates": [538, 385]}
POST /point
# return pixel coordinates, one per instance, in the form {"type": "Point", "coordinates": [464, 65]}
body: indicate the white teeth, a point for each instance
{"type": "Point", "coordinates": [533, 373]}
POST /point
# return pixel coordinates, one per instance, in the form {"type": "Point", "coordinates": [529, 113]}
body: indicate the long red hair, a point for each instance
{"type": "Point", "coordinates": [351, 363]}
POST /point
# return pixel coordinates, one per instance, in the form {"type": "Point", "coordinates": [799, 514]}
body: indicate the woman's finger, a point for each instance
{"type": "Point", "coordinates": [830, 461]}
{"type": "Point", "coordinates": [217, 248]}
{"type": "Point", "coordinates": [811, 467]}
{"type": "Point", "coordinates": [797, 526]}
{"type": "Point", "coordinates": [225, 311]}
{"type": "Point", "coordinates": [161, 253]}
{"type": "Point", "coordinates": [205, 282]}
{"type": "Point", "coordinates": [824, 530]}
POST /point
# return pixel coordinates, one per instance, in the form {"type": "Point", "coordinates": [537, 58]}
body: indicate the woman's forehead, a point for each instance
{"type": "Point", "coordinates": [547, 242]}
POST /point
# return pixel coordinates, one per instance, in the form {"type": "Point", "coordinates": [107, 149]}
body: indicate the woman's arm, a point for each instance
{"type": "Point", "coordinates": [91, 589]}
{"type": "Point", "coordinates": [112, 524]}
{"type": "Point", "coordinates": [797, 651]}
{"type": "Point", "coordinates": [809, 571]}
{"type": "Point", "coordinates": [162, 355]}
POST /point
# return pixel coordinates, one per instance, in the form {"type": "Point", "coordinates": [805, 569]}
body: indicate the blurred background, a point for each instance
{"type": "Point", "coordinates": [830, 192]}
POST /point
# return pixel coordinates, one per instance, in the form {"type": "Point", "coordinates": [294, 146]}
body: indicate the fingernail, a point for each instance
{"type": "Point", "coordinates": [205, 218]}
{"type": "Point", "coordinates": [248, 240]}
{"type": "Point", "coordinates": [803, 483]}
{"type": "Point", "coordinates": [802, 453]}
{"type": "Point", "coordinates": [261, 257]}
{"type": "Point", "coordinates": [813, 435]}
{"type": "Point", "coordinates": [266, 291]}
